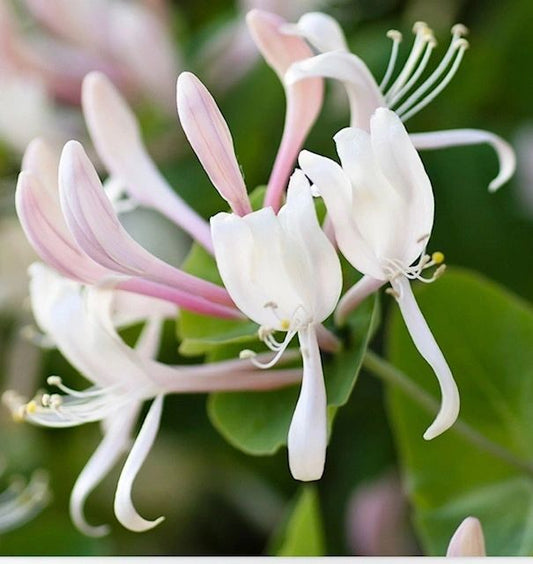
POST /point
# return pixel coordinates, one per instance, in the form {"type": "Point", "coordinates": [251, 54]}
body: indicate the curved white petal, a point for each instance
{"type": "Point", "coordinates": [116, 136]}
{"type": "Point", "coordinates": [315, 257]}
{"type": "Point", "coordinates": [116, 441]}
{"type": "Point", "coordinates": [401, 165]}
{"type": "Point", "coordinates": [304, 98]}
{"type": "Point", "coordinates": [322, 31]}
{"type": "Point", "coordinates": [209, 136]}
{"type": "Point", "coordinates": [124, 509]}
{"type": "Point", "coordinates": [468, 540]}
{"type": "Point", "coordinates": [308, 434]}
{"type": "Point", "coordinates": [95, 226]}
{"type": "Point", "coordinates": [455, 137]}
{"type": "Point", "coordinates": [336, 190]}
{"type": "Point", "coordinates": [428, 348]}
{"type": "Point", "coordinates": [363, 92]}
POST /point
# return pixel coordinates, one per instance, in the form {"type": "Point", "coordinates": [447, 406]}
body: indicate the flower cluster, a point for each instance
{"type": "Point", "coordinates": [279, 265]}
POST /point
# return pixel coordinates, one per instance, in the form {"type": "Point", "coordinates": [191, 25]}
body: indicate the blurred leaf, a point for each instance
{"type": "Point", "coordinates": [486, 335]}
{"type": "Point", "coordinates": [303, 533]}
{"type": "Point", "coordinates": [258, 422]}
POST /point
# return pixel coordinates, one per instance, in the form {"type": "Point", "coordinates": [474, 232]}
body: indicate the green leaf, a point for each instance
{"type": "Point", "coordinates": [486, 335]}
{"type": "Point", "coordinates": [258, 422]}
{"type": "Point", "coordinates": [303, 533]}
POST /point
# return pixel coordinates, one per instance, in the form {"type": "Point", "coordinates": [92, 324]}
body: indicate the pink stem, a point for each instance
{"type": "Point", "coordinates": [355, 295]}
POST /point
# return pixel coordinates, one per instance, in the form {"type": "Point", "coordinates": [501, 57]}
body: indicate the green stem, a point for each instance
{"type": "Point", "coordinates": [388, 373]}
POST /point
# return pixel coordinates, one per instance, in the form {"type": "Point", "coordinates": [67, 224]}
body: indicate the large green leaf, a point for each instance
{"type": "Point", "coordinates": [258, 422]}
{"type": "Point", "coordinates": [303, 533]}
{"type": "Point", "coordinates": [483, 465]}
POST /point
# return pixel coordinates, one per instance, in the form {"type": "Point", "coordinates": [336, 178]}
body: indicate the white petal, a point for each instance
{"type": "Point", "coordinates": [116, 136]}
{"type": "Point", "coordinates": [468, 539]}
{"type": "Point", "coordinates": [116, 441]}
{"type": "Point", "coordinates": [459, 137]}
{"type": "Point", "coordinates": [316, 257]}
{"type": "Point", "coordinates": [124, 509]}
{"type": "Point", "coordinates": [402, 166]}
{"type": "Point", "coordinates": [308, 434]}
{"type": "Point", "coordinates": [428, 348]}
{"type": "Point", "coordinates": [363, 92]}
{"type": "Point", "coordinates": [335, 187]}
{"type": "Point", "coordinates": [322, 31]}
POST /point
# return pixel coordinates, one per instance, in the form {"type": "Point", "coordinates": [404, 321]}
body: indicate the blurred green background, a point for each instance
{"type": "Point", "coordinates": [216, 500]}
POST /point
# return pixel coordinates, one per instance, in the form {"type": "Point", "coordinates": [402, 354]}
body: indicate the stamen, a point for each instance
{"type": "Point", "coordinates": [457, 48]}
{"type": "Point", "coordinates": [393, 268]}
{"type": "Point", "coordinates": [396, 37]}
{"type": "Point", "coordinates": [431, 44]}
{"type": "Point", "coordinates": [421, 30]}
{"type": "Point", "coordinates": [277, 356]}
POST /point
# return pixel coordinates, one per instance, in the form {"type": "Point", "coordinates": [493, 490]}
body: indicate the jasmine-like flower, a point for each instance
{"type": "Point", "coordinates": [81, 321]}
{"type": "Point", "coordinates": [286, 277]}
{"type": "Point", "coordinates": [468, 539]}
{"type": "Point", "coordinates": [402, 90]}
{"type": "Point", "coordinates": [381, 205]}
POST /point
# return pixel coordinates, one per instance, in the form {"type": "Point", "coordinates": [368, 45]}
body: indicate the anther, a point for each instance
{"type": "Point", "coordinates": [461, 43]}
{"type": "Point", "coordinates": [394, 34]}
{"type": "Point", "coordinates": [437, 257]}
{"type": "Point", "coordinates": [285, 324]}
{"type": "Point", "coordinates": [460, 30]}
{"type": "Point", "coordinates": [247, 354]}
{"type": "Point", "coordinates": [31, 407]}
{"type": "Point", "coordinates": [392, 292]}
{"type": "Point", "coordinates": [419, 27]}
{"type": "Point", "coordinates": [53, 381]}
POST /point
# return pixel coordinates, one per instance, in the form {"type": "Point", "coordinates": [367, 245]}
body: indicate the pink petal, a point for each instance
{"type": "Point", "coordinates": [116, 135]}
{"type": "Point", "coordinates": [304, 99]}
{"type": "Point", "coordinates": [210, 137]}
{"type": "Point", "coordinates": [96, 228]}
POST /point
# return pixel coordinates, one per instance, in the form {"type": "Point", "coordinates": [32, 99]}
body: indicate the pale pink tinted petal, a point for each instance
{"type": "Point", "coordinates": [428, 348]}
{"type": "Point", "coordinates": [322, 31]}
{"type": "Point", "coordinates": [124, 508]}
{"type": "Point", "coordinates": [94, 225]}
{"type": "Point", "coordinates": [115, 443]}
{"type": "Point", "coordinates": [209, 136]}
{"type": "Point", "coordinates": [363, 92]}
{"type": "Point", "coordinates": [116, 135]}
{"type": "Point", "coordinates": [44, 226]}
{"type": "Point", "coordinates": [304, 99]}
{"type": "Point", "coordinates": [355, 295]}
{"type": "Point", "coordinates": [459, 137]}
{"type": "Point", "coordinates": [468, 539]}
{"type": "Point", "coordinates": [308, 433]}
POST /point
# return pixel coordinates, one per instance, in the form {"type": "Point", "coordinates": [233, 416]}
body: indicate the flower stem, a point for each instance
{"type": "Point", "coordinates": [391, 375]}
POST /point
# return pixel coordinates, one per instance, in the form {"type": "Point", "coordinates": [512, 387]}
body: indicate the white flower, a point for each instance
{"type": "Point", "coordinates": [381, 205]}
{"type": "Point", "coordinates": [406, 94]}
{"type": "Point", "coordinates": [80, 321]}
{"type": "Point", "coordinates": [284, 274]}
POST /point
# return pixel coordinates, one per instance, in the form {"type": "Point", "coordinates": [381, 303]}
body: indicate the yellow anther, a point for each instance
{"type": "Point", "coordinates": [285, 324]}
{"type": "Point", "coordinates": [31, 407]}
{"type": "Point", "coordinates": [437, 257]}
{"type": "Point", "coordinates": [18, 414]}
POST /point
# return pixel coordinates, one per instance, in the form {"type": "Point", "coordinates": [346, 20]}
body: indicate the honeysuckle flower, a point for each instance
{"type": "Point", "coordinates": [20, 502]}
{"type": "Point", "coordinates": [406, 94]}
{"type": "Point", "coordinates": [81, 320]}
{"type": "Point", "coordinates": [82, 238]}
{"type": "Point", "coordinates": [381, 204]}
{"type": "Point", "coordinates": [468, 539]}
{"type": "Point", "coordinates": [286, 277]}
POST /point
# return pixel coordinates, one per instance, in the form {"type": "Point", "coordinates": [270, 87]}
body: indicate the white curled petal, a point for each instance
{"type": "Point", "coordinates": [363, 92]}
{"type": "Point", "coordinates": [428, 348]}
{"type": "Point", "coordinates": [117, 138]}
{"type": "Point", "coordinates": [209, 136]}
{"type": "Point", "coordinates": [460, 137]}
{"type": "Point", "coordinates": [468, 539]}
{"type": "Point", "coordinates": [335, 188]}
{"type": "Point", "coordinates": [116, 441]}
{"type": "Point", "coordinates": [320, 261]}
{"type": "Point", "coordinates": [124, 509]}
{"type": "Point", "coordinates": [322, 31]}
{"type": "Point", "coordinates": [308, 434]}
